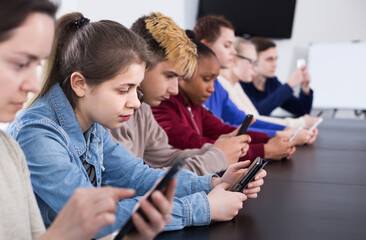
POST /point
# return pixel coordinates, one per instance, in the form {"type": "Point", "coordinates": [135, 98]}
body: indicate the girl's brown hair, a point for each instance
{"type": "Point", "coordinates": [209, 27]}
{"type": "Point", "coordinates": [262, 44]}
{"type": "Point", "coordinates": [98, 50]}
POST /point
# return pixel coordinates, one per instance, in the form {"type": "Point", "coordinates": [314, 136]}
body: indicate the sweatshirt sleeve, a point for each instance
{"type": "Point", "coordinates": [180, 134]}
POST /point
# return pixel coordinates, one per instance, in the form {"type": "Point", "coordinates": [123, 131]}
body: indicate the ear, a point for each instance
{"type": "Point", "coordinates": [204, 41]}
{"type": "Point", "coordinates": [78, 84]}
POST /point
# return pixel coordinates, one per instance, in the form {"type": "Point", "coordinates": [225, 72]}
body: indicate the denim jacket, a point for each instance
{"type": "Point", "coordinates": [55, 147]}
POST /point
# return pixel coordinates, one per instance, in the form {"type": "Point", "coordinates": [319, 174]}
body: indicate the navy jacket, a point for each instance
{"type": "Point", "coordinates": [276, 95]}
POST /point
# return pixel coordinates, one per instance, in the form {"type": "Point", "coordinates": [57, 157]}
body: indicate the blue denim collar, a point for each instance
{"type": "Point", "coordinates": [68, 121]}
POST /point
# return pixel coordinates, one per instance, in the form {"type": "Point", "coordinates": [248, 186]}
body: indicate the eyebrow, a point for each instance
{"type": "Point", "coordinates": [209, 74]}
{"type": "Point", "coordinates": [171, 72]}
{"type": "Point", "coordinates": [31, 56]}
{"type": "Point", "coordinates": [127, 84]}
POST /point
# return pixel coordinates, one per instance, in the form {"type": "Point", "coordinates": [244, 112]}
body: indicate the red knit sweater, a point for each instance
{"type": "Point", "coordinates": [191, 126]}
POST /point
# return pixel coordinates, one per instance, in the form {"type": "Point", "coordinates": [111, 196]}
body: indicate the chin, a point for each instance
{"type": "Point", "coordinates": [7, 118]}
{"type": "Point", "coordinates": [154, 103]}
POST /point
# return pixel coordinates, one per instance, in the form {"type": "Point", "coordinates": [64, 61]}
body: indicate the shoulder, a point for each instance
{"type": "Point", "coordinates": [10, 149]}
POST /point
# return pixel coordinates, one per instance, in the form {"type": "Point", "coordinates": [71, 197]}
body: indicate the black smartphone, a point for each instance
{"type": "Point", "coordinates": [244, 126]}
{"type": "Point", "coordinates": [159, 186]}
{"type": "Point", "coordinates": [253, 169]}
{"type": "Point", "coordinates": [320, 113]}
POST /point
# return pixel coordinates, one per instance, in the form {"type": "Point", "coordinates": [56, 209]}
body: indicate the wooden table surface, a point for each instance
{"type": "Point", "coordinates": [318, 194]}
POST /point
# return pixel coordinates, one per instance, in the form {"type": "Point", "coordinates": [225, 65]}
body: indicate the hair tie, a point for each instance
{"type": "Point", "coordinates": [81, 22]}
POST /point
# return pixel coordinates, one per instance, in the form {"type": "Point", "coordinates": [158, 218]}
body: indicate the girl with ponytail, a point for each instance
{"type": "Point", "coordinates": [90, 79]}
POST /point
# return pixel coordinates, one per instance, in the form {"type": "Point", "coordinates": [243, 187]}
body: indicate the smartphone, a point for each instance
{"type": "Point", "coordinates": [295, 133]}
{"type": "Point", "coordinates": [253, 169]}
{"type": "Point", "coordinates": [158, 186]}
{"type": "Point", "coordinates": [244, 126]}
{"type": "Point", "coordinates": [320, 113]}
{"type": "Point", "coordinates": [315, 125]}
{"type": "Point", "coordinates": [300, 63]}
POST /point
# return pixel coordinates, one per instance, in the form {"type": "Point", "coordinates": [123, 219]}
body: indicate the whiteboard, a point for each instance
{"type": "Point", "coordinates": [338, 75]}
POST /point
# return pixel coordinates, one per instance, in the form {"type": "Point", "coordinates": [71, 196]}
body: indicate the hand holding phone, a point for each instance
{"type": "Point", "coordinates": [253, 169]}
{"type": "Point", "coordinates": [160, 185]}
{"type": "Point", "coordinates": [244, 126]}
{"type": "Point", "coordinates": [295, 133]}
{"type": "Point", "coordinates": [316, 124]}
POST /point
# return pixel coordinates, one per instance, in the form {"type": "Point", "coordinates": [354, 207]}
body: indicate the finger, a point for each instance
{"type": "Point", "coordinates": [252, 190]}
{"type": "Point", "coordinates": [245, 138]}
{"type": "Point", "coordinates": [262, 173]}
{"type": "Point", "coordinates": [235, 132]}
{"type": "Point", "coordinates": [239, 165]}
{"type": "Point", "coordinates": [169, 190]}
{"type": "Point", "coordinates": [254, 195]}
{"type": "Point", "coordinates": [116, 193]}
{"type": "Point", "coordinates": [255, 184]}
{"type": "Point", "coordinates": [142, 227]}
{"type": "Point", "coordinates": [102, 220]}
{"type": "Point", "coordinates": [161, 203]}
{"type": "Point", "coordinates": [241, 196]}
{"type": "Point", "coordinates": [104, 205]}
{"type": "Point", "coordinates": [153, 215]}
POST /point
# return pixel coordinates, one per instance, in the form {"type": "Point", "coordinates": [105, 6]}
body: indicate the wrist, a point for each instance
{"type": "Point", "coordinates": [267, 151]}
{"type": "Point", "coordinates": [215, 181]}
{"type": "Point", "coordinates": [306, 90]}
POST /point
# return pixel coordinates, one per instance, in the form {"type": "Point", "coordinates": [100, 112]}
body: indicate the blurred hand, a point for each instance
{"type": "Point", "coordinates": [277, 148]}
{"type": "Point", "coordinates": [309, 120]}
{"type": "Point", "coordinates": [306, 80]}
{"type": "Point", "coordinates": [314, 136]}
{"type": "Point", "coordinates": [87, 211]}
{"type": "Point", "coordinates": [296, 78]}
{"type": "Point", "coordinates": [158, 214]}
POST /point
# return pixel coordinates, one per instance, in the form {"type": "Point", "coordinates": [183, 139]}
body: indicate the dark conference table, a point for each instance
{"type": "Point", "coordinates": [318, 194]}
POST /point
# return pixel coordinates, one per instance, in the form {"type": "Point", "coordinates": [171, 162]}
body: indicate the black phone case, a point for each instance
{"type": "Point", "coordinates": [245, 124]}
{"type": "Point", "coordinates": [250, 175]}
{"type": "Point", "coordinates": [168, 176]}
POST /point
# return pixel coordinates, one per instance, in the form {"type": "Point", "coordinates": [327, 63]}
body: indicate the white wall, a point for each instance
{"type": "Point", "coordinates": [321, 21]}
{"type": "Point", "coordinates": [125, 12]}
{"type": "Point", "coordinates": [315, 21]}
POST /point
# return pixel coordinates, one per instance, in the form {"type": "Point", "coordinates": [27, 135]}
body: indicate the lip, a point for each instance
{"type": "Point", "coordinates": [163, 98]}
{"type": "Point", "coordinates": [125, 117]}
{"type": "Point", "coordinates": [18, 105]}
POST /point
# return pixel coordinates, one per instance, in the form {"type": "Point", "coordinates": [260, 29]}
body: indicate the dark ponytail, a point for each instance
{"type": "Point", "coordinates": [202, 49]}
{"type": "Point", "coordinates": [98, 50]}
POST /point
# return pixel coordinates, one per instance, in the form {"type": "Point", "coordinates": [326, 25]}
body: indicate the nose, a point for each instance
{"type": "Point", "coordinates": [173, 86]}
{"type": "Point", "coordinates": [133, 101]}
{"type": "Point", "coordinates": [233, 51]}
{"type": "Point", "coordinates": [31, 82]}
{"type": "Point", "coordinates": [211, 87]}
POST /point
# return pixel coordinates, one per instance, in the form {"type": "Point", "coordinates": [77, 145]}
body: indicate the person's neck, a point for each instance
{"type": "Point", "coordinates": [259, 82]}
{"type": "Point", "coordinates": [229, 75]}
{"type": "Point", "coordinates": [84, 123]}
{"type": "Point", "coordinates": [184, 95]}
